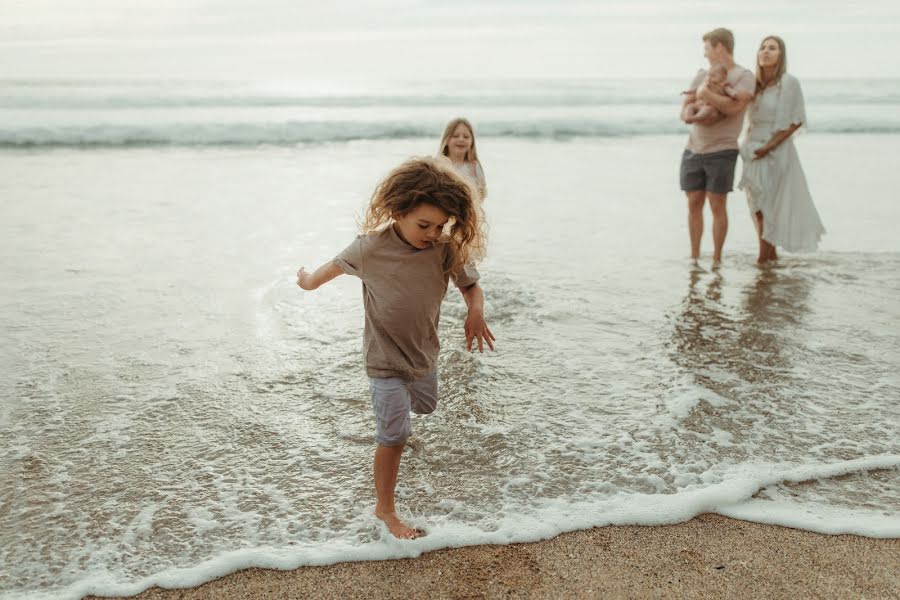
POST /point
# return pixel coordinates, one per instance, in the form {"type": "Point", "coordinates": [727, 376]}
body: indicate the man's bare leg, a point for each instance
{"type": "Point", "coordinates": [387, 466]}
{"type": "Point", "coordinates": [696, 200]}
{"type": "Point", "coordinates": [720, 223]}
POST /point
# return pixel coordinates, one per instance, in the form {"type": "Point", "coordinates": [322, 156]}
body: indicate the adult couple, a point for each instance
{"type": "Point", "coordinates": [773, 179]}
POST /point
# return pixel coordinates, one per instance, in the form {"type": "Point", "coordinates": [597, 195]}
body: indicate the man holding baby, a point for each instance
{"type": "Point", "coordinates": [714, 106]}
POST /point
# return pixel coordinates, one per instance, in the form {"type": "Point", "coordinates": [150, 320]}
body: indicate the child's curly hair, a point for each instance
{"type": "Point", "coordinates": [430, 180]}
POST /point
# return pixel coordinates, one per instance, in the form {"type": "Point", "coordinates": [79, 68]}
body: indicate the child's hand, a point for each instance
{"type": "Point", "coordinates": [476, 328]}
{"type": "Point", "coordinates": [303, 278]}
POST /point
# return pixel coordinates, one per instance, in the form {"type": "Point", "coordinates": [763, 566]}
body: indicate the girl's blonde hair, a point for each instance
{"type": "Point", "coordinates": [430, 181]}
{"type": "Point", "coordinates": [780, 66]}
{"type": "Point", "coordinates": [471, 153]}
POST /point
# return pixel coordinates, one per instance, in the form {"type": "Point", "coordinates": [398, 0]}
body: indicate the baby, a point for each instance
{"type": "Point", "coordinates": [699, 111]}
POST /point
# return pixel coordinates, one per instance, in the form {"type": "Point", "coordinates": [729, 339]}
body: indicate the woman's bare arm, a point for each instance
{"type": "Point", "coordinates": [777, 138]}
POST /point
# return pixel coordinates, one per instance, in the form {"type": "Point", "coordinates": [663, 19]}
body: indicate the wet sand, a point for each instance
{"type": "Point", "coordinates": [708, 557]}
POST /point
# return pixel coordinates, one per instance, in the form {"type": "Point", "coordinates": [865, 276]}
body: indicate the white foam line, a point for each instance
{"type": "Point", "coordinates": [825, 471]}
{"type": "Point", "coordinates": [825, 519]}
{"type": "Point", "coordinates": [731, 497]}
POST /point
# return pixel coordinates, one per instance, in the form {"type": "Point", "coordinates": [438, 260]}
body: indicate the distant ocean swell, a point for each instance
{"type": "Point", "coordinates": [117, 94]}
{"type": "Point", "coordinates": [124, 114]}
{"type": "Point", "coordinates": [299, 132]}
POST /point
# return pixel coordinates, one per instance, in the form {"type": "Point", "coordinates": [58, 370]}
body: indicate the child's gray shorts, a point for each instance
{"type": "Point", "coordinates": [393, 398]}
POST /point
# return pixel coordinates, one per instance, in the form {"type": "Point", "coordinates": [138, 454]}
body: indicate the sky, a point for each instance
{"type": "Point", "coordinates": [363, 40]}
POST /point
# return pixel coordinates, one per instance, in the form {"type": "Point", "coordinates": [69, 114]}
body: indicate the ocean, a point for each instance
{"type": "Point", "coordinates": [173, 407]}
{"type": "Point", "coordinates": [127, 113]}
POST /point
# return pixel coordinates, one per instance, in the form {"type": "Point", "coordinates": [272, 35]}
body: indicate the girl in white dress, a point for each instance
{"type": "Point", "coordinates": [779, 198]}
{"type": "Point", "coordinates": [458, 144]}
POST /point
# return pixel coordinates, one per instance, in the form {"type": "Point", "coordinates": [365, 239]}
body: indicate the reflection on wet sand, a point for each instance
{"type": "Point", "coordinates": [750, 340]}
{"type": "Point", "coordinates": [704, 330]}
{"type": "Point", "coordinates": [774, 306]}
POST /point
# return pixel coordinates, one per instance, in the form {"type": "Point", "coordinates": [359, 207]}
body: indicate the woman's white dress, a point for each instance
{"type": "Point", "coordinates": [775, 184]}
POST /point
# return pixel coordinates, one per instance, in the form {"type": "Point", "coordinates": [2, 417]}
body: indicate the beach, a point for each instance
{"type": "Point", "coordinates": [707, 557]}
{"type": "Point", "coordinates": [179, 410]}
{"type": "Point", "coordinates": [179, 420]}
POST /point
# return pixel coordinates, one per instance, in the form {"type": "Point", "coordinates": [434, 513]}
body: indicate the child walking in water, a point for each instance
{"type": "Point", "coordinates": [458, 144]}
{"type": "Point", "coordinates": [405, 258]}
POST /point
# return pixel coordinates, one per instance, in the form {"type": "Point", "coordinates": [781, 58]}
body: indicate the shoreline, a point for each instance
{"type": "Point", "coordinates": [710, 556]}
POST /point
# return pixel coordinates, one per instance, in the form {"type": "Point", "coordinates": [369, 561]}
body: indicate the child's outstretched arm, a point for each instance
{"type": "Point", "coordinates": [324, 274]}
{"type": "Point", "coordinates": [475, 327]}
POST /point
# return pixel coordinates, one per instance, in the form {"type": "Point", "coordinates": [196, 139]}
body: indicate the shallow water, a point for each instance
{"type": "Point", "coordinates": [175, 407]}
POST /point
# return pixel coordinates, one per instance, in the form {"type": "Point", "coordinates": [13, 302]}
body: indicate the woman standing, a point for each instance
{"type": "Point", "coordinates": [779, 198]}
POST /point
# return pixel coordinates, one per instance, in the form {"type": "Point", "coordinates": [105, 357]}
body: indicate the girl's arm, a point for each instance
{"type": "Point", "coordinates": [482, 184]}
{"type": "Point", "coordinates": [777, 138]}
{"type": "Point", "coordinates": [475, 327]}
{"type": "Point", "coordinates": [324, 274]}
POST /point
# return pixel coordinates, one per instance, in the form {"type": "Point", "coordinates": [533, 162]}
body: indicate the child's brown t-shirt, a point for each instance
{"type": "Point", "coordinates": [403, 288]}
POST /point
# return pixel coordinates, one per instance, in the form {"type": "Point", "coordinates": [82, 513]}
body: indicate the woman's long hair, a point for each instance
{"type": "Point", "coordinates": [428, 180]}
{"type": "Point", "coordinates": [780, 66]}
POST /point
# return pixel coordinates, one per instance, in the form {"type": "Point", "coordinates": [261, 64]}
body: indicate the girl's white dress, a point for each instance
{"type": "Point", "coordinates": [474, 174]}
{"type": "Point", "coordinates": [775, 184]}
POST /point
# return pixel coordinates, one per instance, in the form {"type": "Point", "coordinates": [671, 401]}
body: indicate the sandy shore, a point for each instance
{"type": "Point", "coordinates": [707, 557]}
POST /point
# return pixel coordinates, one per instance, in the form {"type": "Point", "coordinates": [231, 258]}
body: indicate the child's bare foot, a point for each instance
{"type": "Point", "coordinates": [398, 528]}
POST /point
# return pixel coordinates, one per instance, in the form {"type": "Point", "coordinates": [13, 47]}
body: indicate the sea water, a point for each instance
{"type": "Point", "coordinates": [173, 407]}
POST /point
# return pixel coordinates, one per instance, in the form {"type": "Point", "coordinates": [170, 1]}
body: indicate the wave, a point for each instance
{"type": "Point", "coordinates": [291, 133]}
{"type": "Point", "coordinates": [125, 101]}
{"type": "Point", "coordinates": [117, 94]}
{"type": "Point", "coordinates": [75, 95]}
{"type": "Point", "coordinates": [135, 101]}
{"type": "Point", "coordinates": [134, 113]}
{"type": "Point", "coordinates": [731, 497]}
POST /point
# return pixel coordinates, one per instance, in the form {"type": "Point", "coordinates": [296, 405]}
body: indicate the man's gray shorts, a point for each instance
{"type": "Point", "coordinates": [712, 172]}
{"type": "Point", "coordinates": [393, 398]}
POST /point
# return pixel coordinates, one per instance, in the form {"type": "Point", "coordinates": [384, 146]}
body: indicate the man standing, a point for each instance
{"type": "Point", "coordinates": [708, 162]}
